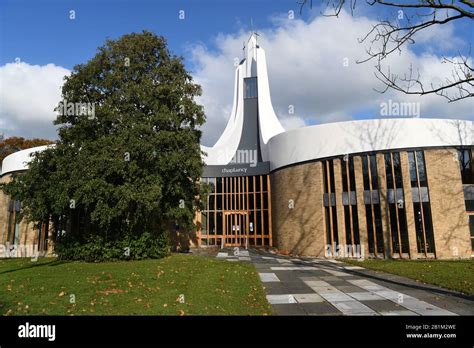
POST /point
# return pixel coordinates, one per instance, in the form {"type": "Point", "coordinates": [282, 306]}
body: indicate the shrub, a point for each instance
{"type": "Point", "coordinates": [97, 249]}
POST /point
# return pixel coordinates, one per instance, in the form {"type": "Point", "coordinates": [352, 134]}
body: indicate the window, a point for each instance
{"type": "Point", "coordinates": [421, 203]}
{"type": "Point", "coordinates": [372, 205]}
{"type": "Point", "coordinates": [420, 162]}
{"type": "Point", "coordinates": [374, 229]}
{"type": "Point", "coordinates": [469, 204]}
{"type": "Point", "coordinates": [250, 87]}
{"type": "Point", "coordinates": [373, 171]}
{"type": "Point", "coordinates": [329, 201]}
{"type": "Point", "coordinates": [349, 201]}
{"type": "Point", "coordinates": [43, 236]}
{"type": "Point", "coordinates": [466, 164]}
{"type": "Point", "coordinates": [236, 201]}
{"type": "Point", "coordinates": [396, 203]}
{"type": "Point", "coordinates": [204, 222]}
{"type": "Point", "coordinates": [13, 235]}
{"type": "Point", "coordinates": [412, 168]}
{"type": "Point", "coordinates": [471, 227]}
{"type": "Point", "coordinates": [424, 228]}
{"type": "Point", "coordinates": [365, 173]}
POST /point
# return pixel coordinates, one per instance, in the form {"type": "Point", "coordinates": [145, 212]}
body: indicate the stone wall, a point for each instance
{"type": "Point", "coordinates": [28, 236]}
{"type": "Point", "coordinates": [297, 216]}
{"type": "Point", "coordinates": [300, 229]}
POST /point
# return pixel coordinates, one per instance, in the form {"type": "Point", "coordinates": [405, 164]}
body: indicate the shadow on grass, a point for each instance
{"type": "Point", "coordinates": [34, 264]}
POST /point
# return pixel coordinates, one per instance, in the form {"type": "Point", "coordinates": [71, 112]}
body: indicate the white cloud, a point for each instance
{"type": "Point", "coordinates": [307, 70]}
{"type": "Point", "coordinates": [28, 96]}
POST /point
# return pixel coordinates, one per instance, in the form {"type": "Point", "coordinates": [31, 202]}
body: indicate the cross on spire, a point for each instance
{"type": "Point", "coordinates": [254, 32]}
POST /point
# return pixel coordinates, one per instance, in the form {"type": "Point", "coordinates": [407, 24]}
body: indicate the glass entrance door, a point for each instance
{"type": "Point", "coordinates": [236, 228]}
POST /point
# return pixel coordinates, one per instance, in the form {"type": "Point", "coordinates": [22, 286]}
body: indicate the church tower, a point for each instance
{"type": "Point", "coordinates": [237, 209]}
{"type": "Point", "coordinates": [242, 148]}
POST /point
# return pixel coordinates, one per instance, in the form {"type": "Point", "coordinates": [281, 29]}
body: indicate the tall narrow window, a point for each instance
{"type": "Point", "coordinates": [329, 200]}
{"type": "Point", "coordinates": [43, 236]}
{"type": "Point", "coordinates": [412, 168]}
{"type": "Point", "coordinates": [421, 203]}
{"type": "Point", "coordinates": [349, 201]}
{"type": "Point", "coordinates": [466, 163]}
{"type": "Point", "coordinates": [13, 235]}
{"type": "Point", "coordinates": [250, 87]}
{"type": "Point", "coordinates": [372, 205]}
{"type": "Point", "coordinates": [396, 204]}
{"type": "Point", "coordinates": [471, 228]}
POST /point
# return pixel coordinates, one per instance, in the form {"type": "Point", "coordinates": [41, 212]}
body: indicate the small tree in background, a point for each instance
{"type": "Point", "coordinates": [122, 175]}
{"type": "Point", "coordinates": [14, 144]}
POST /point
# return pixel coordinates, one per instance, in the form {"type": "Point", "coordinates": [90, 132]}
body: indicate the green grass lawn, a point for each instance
{"type": "Point", "coordinates": [455, 275]}
{"type": "Point", "coordinates": [149, 287]}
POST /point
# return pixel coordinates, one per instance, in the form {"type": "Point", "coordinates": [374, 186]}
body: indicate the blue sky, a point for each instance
{"type": "Point", "coordinates": [40, 32]}
{"type": "Point", "coordinates": [48, 43]}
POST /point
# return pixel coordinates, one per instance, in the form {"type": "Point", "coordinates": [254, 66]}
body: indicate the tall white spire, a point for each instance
{"type": "Point", "coordinates": [254, 65]}
{"type": "Point", "coordinates": [251, 56]}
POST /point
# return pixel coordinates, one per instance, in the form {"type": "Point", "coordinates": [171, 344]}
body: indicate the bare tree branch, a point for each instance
{"type": "Point", "coordinates": [389, 36]}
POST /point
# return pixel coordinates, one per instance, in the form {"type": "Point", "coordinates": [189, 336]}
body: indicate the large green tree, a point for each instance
{"type": "Point", "coordinates": [132, 162]}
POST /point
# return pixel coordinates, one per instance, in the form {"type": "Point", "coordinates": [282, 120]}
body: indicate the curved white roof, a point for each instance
{"type": "Point", "coordinates": [340, 138]}
{"type": "Point", "coordinates": [336, 139]}
{"type": "Point", "coordinates": [19, 160]}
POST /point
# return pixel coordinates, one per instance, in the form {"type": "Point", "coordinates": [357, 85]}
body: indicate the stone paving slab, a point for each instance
{"type": "Point", "coordinates": [348, 288]}
{"type": "Point", "coordinates": [365, 296]}
{"type": "Point", "coordinates": [385, 306]}
{"type": "Point", "coordinates": [353, 308]}
{"type": "Point", "coordinates": [297, 288]}
{"type": "Point", "coordinates": [275, 288]}
{"type": "Point", "coordinates": [281, 299]}
{"type": "Point", "coordinates": [320, 308]}
{"type": "Point", "coordinates": [396, 313]}
{"type": "Point", "coordinates": [297, 268]}
{"type": "Point", "coordinates": [268, 277]}
{"type": "Point", "coordinates": [308, 298]}
{"type": "Point", "coordinates": [285, 309]}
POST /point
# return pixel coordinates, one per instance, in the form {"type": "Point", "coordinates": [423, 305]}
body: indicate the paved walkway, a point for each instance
{"type": "Point", "coordinates": [311, 286]}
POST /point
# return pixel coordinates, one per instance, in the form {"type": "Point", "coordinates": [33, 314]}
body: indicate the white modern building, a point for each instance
{"type": "Point", "coordinates": [385, 188]}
